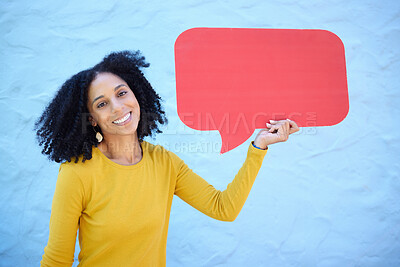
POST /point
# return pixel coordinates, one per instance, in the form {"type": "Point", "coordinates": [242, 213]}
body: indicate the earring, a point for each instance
{"type": "Point", "coordinates": [99, 137]}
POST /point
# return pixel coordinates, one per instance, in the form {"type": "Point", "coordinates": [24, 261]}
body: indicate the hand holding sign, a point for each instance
{"type": "Point", "coordinates": [276, 131]}
{"type": "Point", "coordinates": [236, 80]}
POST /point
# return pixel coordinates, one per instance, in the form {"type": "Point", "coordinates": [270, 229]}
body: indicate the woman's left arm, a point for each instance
{"type": "Point", "coordinates": [226, 205]}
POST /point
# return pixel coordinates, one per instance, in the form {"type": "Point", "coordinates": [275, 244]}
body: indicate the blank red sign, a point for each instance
{"type": "Point", "coordinates": [236, 80]}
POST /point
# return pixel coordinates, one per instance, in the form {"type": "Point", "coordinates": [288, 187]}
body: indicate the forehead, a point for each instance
{"type": "Point", "coordinates": [104, 82]}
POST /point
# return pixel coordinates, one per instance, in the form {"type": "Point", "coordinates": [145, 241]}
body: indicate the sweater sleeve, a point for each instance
{"type": "Point", "coordinates": [68, 203]}
{"type": "Point", "coordinates": [225, 205]}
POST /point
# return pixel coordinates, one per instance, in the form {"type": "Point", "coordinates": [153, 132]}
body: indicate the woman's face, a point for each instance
{"type": "Point", "coordinates": [112, 105]}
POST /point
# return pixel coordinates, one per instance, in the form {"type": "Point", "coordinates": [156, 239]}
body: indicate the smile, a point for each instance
{"type": "Point", "coordinates": [123, 119]}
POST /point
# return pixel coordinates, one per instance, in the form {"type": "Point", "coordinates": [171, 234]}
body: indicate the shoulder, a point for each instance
{"type": "Point", "coordinates": [69, 173]}
{"type": "Point", "coordinates": [68, 180]}
{"type": "Point", "coordinates": [80, 166]}
{"type": "Point", "coordinates": [153, 149]}
{"type": "Point", "coordinates": [160, 153]}
{"type": "Point", "coordinates": [79, 173]}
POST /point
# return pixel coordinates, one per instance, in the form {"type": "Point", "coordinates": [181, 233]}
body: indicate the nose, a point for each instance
{"type": "Point", "coordinates": [116, 106]}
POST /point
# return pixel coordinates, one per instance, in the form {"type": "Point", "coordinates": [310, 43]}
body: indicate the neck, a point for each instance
{"type": "Point", "coordinates": [122, 149]}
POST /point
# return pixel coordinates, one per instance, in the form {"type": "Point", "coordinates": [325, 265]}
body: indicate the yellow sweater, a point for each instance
{"type": "Point", "coordinates": [122, 212]}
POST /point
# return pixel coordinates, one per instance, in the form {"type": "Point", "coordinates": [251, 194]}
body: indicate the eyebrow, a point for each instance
{"type": "Point", "coordinates": [115, 89]}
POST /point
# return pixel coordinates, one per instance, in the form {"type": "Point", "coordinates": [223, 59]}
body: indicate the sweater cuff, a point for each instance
{"type": "Point", "coordinates": [252, 142]}
{"type": "Point", "coordinates": [256, 151]}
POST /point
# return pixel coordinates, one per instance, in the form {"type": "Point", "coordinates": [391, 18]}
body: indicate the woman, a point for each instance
{"type": "Point", "coordinates": [116, 188]}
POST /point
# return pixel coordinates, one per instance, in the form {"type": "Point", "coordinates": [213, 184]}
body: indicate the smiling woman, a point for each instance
{"type": "Point", "coordinates": [115, 109]}
{"type": "Point", "coordinates": [116, 188]}
{"type": "Point", "coordinates": [60, 129]}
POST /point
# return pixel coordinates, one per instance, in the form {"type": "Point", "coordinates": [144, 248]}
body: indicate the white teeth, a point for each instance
{"type": "Point", "coordinates": [123, 119]}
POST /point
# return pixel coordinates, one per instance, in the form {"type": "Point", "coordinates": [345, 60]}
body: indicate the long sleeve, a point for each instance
{"type": "Point", "coordinates": [224, 205]}
{"type": "Point", "coordinates": [68, 203]}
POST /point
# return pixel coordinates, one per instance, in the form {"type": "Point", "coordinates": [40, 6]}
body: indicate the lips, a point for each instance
{"type": "Point", "coordinates": [123, 119]}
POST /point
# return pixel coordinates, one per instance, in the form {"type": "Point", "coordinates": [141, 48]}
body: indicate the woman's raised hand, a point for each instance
{"type": "Point", "coordinates": [276, 131]}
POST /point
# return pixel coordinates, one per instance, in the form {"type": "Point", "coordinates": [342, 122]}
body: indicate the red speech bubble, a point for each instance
{"type": "Point", "coordinates": [236, 80]}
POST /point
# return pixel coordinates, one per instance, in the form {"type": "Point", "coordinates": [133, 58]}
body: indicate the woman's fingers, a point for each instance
{"type": "Point", "coordinates": [271, 127]}
{"type": "Point", "coordinates": [278, 131]}
{"type": "Point", "coordinates": [280, 128]}
{"type": "Point", "coordinates": [284, 124]}
{"type": "Point", "coordinates": [293, 126]}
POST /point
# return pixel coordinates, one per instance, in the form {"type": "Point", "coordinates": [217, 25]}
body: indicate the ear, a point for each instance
{"type": "Point", "coordinates": [92, 121]}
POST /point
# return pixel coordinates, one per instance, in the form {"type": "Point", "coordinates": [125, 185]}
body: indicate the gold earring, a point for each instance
{"type": "Point", "coordinates": [99, 137]}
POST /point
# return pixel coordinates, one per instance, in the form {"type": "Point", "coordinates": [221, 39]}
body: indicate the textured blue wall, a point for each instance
{"type": "Point", "coordinates": [329, 196]}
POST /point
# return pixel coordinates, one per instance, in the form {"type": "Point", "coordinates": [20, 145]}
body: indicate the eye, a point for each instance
{"type": "Point", "coordinates": [122, 93]}
{"type": "Point", "coordinates": [101, 104]}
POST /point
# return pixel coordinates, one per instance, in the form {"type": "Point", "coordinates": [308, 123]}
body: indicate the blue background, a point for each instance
{"type": "Point", "coordinates": [329, 196]}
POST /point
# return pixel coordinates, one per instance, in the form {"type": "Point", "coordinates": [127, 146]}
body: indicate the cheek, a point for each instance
{"type": "Point", "coordinates": [100, 117]}
{"type": "Point", "coordinates": [136, 106]}
{"type": "Point", "coordinates": [138, 111]}
{"type": "Point", "coordinates": [136, 114]}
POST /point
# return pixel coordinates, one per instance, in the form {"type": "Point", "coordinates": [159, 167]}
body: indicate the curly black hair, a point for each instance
{"type": "Point", "coordinates": [64, 129]}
